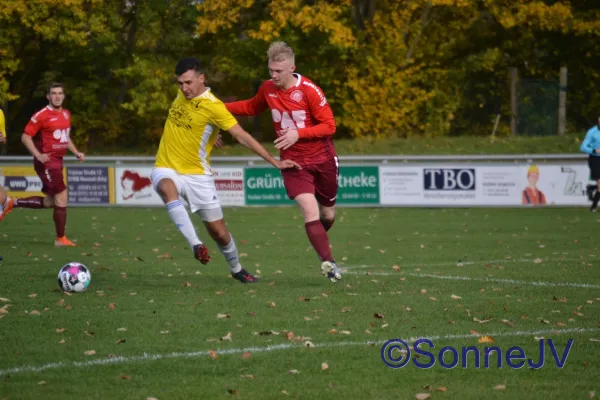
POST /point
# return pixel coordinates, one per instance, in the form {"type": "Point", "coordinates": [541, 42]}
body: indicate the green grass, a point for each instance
{"type": "Point", "coordinates": [170, 304]}
{"type": "Point", "coordinates": [411, 146]}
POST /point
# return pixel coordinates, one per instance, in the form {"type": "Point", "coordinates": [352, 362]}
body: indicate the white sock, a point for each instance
{"type": "Point", "coordinates": [230, 253]}
{"type": "Point", "coordinates": [181, 219]}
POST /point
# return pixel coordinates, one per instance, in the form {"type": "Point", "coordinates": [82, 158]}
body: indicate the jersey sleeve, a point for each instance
{"type": "Point", "coordinates": [253, 106]}
{"type": "Point", "coordinates": [221, 117]}
{"type": "Point", "coordinates": [587, 146]}
{"type": "Point", "coordinates": [35, 124]}
{"type": "Point", "coordinates": [2, 124]}
{"type": "Point", "coordinates": [320, 111]}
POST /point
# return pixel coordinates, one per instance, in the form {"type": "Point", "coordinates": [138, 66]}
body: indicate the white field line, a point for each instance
{"type": "Point", "coordinates": [465, 263]}
{"type": "Point", "coordinates": [489, 280]}
{"type": "Point", "coordinates": [265, 349]}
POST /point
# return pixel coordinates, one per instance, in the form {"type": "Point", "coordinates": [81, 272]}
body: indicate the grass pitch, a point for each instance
{"type": "Point", "coordinates": [155, 323]}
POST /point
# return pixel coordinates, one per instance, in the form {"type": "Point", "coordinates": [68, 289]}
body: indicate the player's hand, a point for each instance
{"type": "Point", "coordinates": [80, 156]}
{"type": "Point", "coordinates": [287, 138]}
{"type": "Point", "coordinates": [2, 138]}
{"type": "Point", "coordinates": [43, 158]}
{"type": "Point", "coordinates": [287, 164]}
{"type": "Point", "coordinates": [219, 142]}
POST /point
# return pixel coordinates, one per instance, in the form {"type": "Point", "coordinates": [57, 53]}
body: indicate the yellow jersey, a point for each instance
{"type": "Point", "coordinates": [190, 133]}
{"type": "Point", "coordinates": [2, 124]}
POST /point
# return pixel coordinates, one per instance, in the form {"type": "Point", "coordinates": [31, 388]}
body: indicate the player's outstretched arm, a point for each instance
{"type": "Point", "coordinates": [27, 140]}
{"type": "Point", "coordinates": [247, 140]}
{"type": "Point", "coordinates": [253, 106]}
{"type": "Point", "coordinates": [80, 156]}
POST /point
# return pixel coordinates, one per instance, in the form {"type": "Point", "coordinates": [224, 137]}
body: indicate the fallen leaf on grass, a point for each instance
{"type": "Point", "coordinates": [34, 312]}
{"type": "Point", "coordinates": [271, 304]}
{"type": "Point", "coordinates": [112, 306]}
{"type": "Point", "coordinates": [346, 309]}
{"type": "Point", "coordinates": [507, 322]}
{"type": "Point", "coordinates": [422, 396]}
{"type": "Point", "coordinates": [246, 355]}
{"type": "Point", "coordinates": [186, 284]}
{"type": "Point", "coordinates": [378, 316]}
{"type": "Point", "coordinates": [345, 332]}
{"type": "Point", "coordinates": [120, 341]}
{"type": "Point", "coordinates": [324, 366]}
{"type": "Point", "coordinates": [500, 387]}
{"type": "Point", "coordinates": [455, 297]}
{"type": "Point", "coordinates": [486, 339]}
{"type": "Point", "coordinates": [309, 344]}
{"type": "Point", "coordinates": [396, 268]}
{"type": "Point", "coordinates": [475, 319]}
{"type": "Point", "coordinates": [560, 300]}
{"type": "Point", "coordinates": [125, 377]}
{"type": "Point", "coordinates": [62, 341]}
{"type": "Point", "coordinates": [537, 261]}
{"type": "Point", "coordinates": [90, 352]}
{"type": "Point", "coordinates": [32, 295]}
{"type": "Point", "coordinates": [122, 329]}
{"type": "Point", "coordinates": [441, 389]}
{"type": "Point", "coordinates": [594, 340]}
{"type": "Point", "coordinates": [289, 335]}
{"type": "Point", "coordinates": [227, 338]}
{"type": "Point", "coordinates": [212, 354]}
{"type": "Point", "coordinates": [68, 293]}
{"type": "Point", "coordinates": [223, 315]}
{"type": "Point", "coordinates": [42, 382]}
{"type": "Point", "coordinates": [293, 371]}
{"type": "Point", "coordinates": [89, 333]}
{"type": "Point", "coordinates": [233, 392]}
{"type": "Point", "coordinates": [247, 376]}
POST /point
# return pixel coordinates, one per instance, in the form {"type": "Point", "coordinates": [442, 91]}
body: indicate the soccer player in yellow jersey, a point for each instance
{"type": "Point", "coordinates": [183, 169]}
{"type": "Point", "coordinates": [6, 203]}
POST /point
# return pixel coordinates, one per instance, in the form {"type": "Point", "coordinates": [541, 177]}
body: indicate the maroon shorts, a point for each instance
{"type": "Point", "coordinates": [319, 179]}
{"type": "Point", "coordinates": [53, 181]}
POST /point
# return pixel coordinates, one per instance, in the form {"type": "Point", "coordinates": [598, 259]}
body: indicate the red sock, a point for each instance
{"type": "Point", "coordinates": [327, 223]}
{"type": "Point", "coordinates": [30, 202]}
{"type": "Point", "coordinates": [319, 240]}
{"type": "Point", "coordinates": [60, 220]}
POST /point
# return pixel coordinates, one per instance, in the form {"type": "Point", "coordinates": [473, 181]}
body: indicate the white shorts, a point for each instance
{"type": "Point", "coordinates": [198, 191]}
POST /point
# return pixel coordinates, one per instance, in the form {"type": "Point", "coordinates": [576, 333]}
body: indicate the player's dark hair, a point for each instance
{"type": "Point", "coordinates": [185, 64]}
{"type": "Point", "coordinates": [56, 85]}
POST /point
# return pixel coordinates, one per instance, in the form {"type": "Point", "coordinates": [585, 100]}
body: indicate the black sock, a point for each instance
{"type": "Point", "coordinates": [596, 199]}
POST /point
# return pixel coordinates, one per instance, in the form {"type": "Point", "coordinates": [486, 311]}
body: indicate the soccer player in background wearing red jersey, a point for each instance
{"type": "Point", "coordinates": [46, 137]}
{"type": "Point", "coordinates": [304, 125]}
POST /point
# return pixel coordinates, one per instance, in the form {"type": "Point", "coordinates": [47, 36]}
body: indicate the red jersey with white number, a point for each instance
{"type": "Point", "coordinates": [50, 129]}
{"type": "Point", "coordinates": [302, 107]}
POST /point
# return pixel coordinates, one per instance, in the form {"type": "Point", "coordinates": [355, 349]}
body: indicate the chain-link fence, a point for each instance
{"type": "Point", "coordinates": [537, 107]}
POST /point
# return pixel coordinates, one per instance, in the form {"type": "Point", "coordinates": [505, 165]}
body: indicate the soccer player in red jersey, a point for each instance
{"type": "Point", "coordinates": [304, 125]}
{"type": "Point", "coordinates": [46, 137]}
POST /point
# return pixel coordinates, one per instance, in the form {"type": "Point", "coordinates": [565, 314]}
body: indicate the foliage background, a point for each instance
{"type": "Point", "coordinates": [389, 68]}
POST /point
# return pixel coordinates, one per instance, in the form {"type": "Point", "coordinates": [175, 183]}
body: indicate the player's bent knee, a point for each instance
{"type": "Point", "coordinates": [60, 199]}
{"type": "Point", "coordinates": [167, 190]}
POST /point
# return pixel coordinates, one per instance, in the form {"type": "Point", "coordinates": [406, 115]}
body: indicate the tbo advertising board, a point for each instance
{"type": "Point", "coordinates": [484, 185]}
{"type": "Point", "coordinates": [356, 185]}
{"type": "Point", "coordinates": [134, 187]}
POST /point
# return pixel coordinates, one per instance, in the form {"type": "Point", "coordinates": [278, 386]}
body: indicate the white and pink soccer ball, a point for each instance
{"type": "Point", "coordinates": [74, 277]}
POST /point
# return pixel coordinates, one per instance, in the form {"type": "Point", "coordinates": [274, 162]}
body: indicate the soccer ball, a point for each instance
{"type": "Point", "coordinates": [74, 277]}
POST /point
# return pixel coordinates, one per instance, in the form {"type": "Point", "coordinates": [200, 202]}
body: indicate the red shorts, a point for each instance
{"type": "Point", "coordinates": [53, 181]}
{"type": "Point", "coordinates": [319, 179]}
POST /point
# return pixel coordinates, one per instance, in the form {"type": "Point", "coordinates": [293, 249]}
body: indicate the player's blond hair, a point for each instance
{"type": "Point", "coordinates": [280, 51]}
